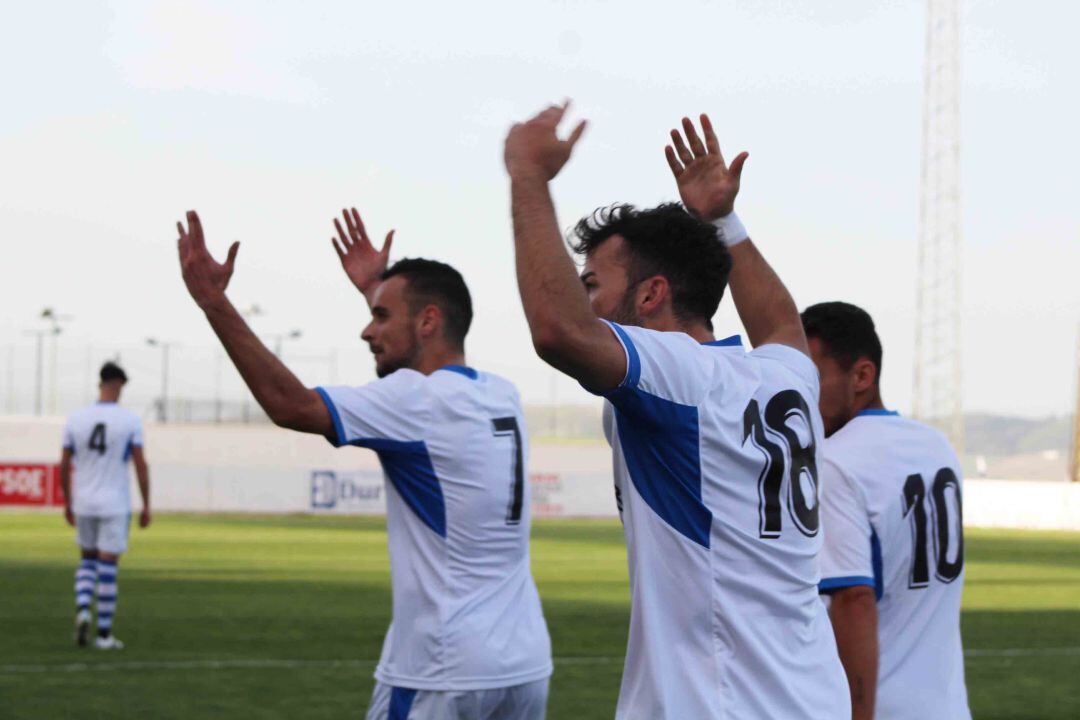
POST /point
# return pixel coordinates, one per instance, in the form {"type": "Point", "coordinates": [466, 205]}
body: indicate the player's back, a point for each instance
{"type": "Point", "coordinates": [101, 438]}
{"type": "Point", "coordinates": [453, 448]}
{"type": "Point", "coordinates": [714, 456]}
{"type": "Point", "coordinates": [905, 479]}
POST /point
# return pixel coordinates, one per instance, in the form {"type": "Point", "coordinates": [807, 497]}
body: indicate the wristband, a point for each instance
{"type": "Point", "coordinates": [731, 229]}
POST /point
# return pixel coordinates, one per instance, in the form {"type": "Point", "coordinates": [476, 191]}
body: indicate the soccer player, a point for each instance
{"type": "Point", "coordinates": [468, 639]}
{"type": "Point", "coordinates": [99, 440]}
{"type": "Point", "coordinates": [893, 559]}
{"type": "Point", "coordinates": [714, 450]}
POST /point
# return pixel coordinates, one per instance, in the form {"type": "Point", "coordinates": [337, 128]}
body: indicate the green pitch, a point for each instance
{"type": "Point", "coordinates": [283, 617]}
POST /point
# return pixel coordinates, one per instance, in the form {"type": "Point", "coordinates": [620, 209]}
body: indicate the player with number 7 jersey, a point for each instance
{"type": "Point", "coordinates": [467, 638]}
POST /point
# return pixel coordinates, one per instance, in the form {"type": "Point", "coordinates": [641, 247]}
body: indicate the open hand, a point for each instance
{"type": "Point", "coordinates": [707, 185]}
{"type": "Point", "coordinates": [533, 148]}
{"type": "Point", "coordinates": [206, 278]}
{"type": "Point", "coordinates": [361, 261]}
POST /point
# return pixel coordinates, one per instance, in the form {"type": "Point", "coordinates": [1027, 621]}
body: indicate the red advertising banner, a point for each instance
{"type": "Point", "coordinates": [30, 484]}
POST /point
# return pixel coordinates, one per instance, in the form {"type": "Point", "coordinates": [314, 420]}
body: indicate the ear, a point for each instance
{"type": "Point", "coordinates": [652, 294]}
{"type": "Point", "coordinates": [865, 374]}
{"type": "Point", "coordinates": [429, 322]}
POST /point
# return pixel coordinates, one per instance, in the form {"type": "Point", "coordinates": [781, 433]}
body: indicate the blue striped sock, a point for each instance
{"type": "Point", "coordinates": [85, 577]}
{"type": "Point", "coordinates": [106, 596]}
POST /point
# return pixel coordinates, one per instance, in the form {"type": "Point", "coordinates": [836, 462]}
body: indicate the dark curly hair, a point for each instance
{"type": "Point", "coordinates": [665, 240]}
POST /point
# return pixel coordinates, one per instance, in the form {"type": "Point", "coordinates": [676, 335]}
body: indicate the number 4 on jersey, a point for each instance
{"type": "Point", "coordinates": [802, 496]}
{"type": "Point", "coordinates": [97, 438]}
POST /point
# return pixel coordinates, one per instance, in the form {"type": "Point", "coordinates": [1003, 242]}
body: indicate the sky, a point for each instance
{"type": "Point", "coordinates": [268, 118]}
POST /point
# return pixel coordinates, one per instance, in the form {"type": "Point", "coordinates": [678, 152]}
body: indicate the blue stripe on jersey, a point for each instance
{"type": "Point", "coordinates": [876, 563]}
{"type": "Point", "coordinates": [831, 585]}
{"type": "Point", "coordinates": [877, 412]}
{"type": "Point", "coordinates": [128, 447]}
{"type": "Point", "coordinates": [462, 370]}
{"type": "Point", "coordinates": [401, 702]}
{"type": "Point", "coordinates": [408, 465]}
{"type": "Point", "coordinates": [660, 441]}
{"type": "Point", "coordinates": [633, 362]}
{"type": "Point", "coordinates": [339, 430]}
{"type": "Point", "coordinates": [733, 341]}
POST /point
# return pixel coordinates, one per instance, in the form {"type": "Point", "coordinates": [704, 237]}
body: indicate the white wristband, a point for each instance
{"type": "Point", "coordinates": [731, 229]}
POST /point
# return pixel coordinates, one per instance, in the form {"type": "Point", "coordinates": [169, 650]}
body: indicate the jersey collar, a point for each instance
{"type": "Point", "coordinates": [878, 412]}
{"type": "Point", "coordinates": [733, 341]}
{"type": "Point", "coordinates": [462, 370]}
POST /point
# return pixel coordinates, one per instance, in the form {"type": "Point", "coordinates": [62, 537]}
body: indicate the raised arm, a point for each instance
{"type": "Point", "coordinates": [708, 187]}
{"type": "Point", "coordinates": [565, 331]}
{"type": "Point", "coordinates": [284, 398]}
{"type": "Point", "coordinates": [362, 263]}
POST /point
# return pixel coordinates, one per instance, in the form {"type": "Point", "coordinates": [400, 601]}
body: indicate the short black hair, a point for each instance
{"type": "Point", "coordinates": [665, 240]}
{"type": "Point", "coordinates": [110, 372]}
{"type": "Point", "coordinates": [846, 331]}
{"type": "Point", "coordinates": [435, 283]}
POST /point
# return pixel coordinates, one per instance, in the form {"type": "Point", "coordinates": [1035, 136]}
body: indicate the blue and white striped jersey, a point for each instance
{"type": "Point", "coordinates": [453, 448]}
{"type": "Point", "coordinates": [101, 438]}
{"type": "Point", "coordinates": [716, 480]}
{"type": "Point", "coordinates": [891, 512]}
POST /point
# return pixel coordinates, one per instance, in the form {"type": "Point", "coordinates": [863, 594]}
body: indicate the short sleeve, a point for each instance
{"type": "Point", "coordinates": [391, 408]}
{"type": "Point", "coordinates": [847, 554]}
{"type": "Point", "coordinates": [794, 360]}
{"type": "Point", "coordinates": [136, 434]}
{"type": "Point", "coordinates": [68, 437]}
{"type": "Point", "coordinates": [671, 366]}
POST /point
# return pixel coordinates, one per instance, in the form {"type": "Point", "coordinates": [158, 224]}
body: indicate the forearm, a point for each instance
{"type": "Point", "coordinates": [65, 482]}
{"type": "Point", "coordinates": [277, 390]}
{"type": "Point", "coordinates": [142, 475]}
{"type": "Point", "coordinates": [854, 622]}
{"type": "Point", "coordinates": [554, 300]}
{"type": "Point", "coordinates": [765, 306]}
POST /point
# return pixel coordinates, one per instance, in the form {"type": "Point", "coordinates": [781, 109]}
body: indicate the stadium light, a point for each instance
{"type": "Point", "coordinates": [163, 414]}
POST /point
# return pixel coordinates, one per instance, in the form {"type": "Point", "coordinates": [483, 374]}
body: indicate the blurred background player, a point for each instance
{"type": "Point", "coordinates": [893, 559]}
{"type": "Point", "coordinates": [468, 638]}
{"type": "Point", "coordinates": [98, 442]}
{"type": "Point", "coordinates": [721, 528]}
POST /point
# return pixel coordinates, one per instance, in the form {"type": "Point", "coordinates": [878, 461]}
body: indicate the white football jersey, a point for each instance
{"type": "Point", "coordinates": [891, 512]}
{"type": "Point", "coordinates": [716, 483]}
{"type": "Point", "coordinates": [453, 447]}
{"type": "Point", "coordinates": [101, 438]}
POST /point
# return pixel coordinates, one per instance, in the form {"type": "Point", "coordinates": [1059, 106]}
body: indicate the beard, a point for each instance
{"type": "Point", "coordinates": [406, 359]}
{"type": "Point", "coordinates": [625, 313]}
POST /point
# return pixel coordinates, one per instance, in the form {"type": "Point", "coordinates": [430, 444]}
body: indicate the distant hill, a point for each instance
{"type": "Point", "coordinates": [997, 435]}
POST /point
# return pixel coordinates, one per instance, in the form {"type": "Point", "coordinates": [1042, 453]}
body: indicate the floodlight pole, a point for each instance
{"type": "Point", "coordinates": [163, 407]}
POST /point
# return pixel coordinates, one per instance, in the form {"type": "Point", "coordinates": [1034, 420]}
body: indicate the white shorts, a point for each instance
{"type": "Point", "coordinates": [520, 702]}
{"type": "Point", "coordinates": [107, 533]}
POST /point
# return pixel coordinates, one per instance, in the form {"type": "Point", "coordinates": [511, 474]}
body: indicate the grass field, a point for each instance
{"type": "Point", "coordinates": [282, 617]}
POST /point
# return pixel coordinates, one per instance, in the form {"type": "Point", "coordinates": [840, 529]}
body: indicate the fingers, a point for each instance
{"type": "Point", "coordinates": [710, 135]}
{"type": "Point", "coordinates": [358, 225]}
{"type": "Point", "coordinates": [230, 259]}
{"type": "Point", "coordinates": [342, 234]}
{"type": "Point", "coordinates": [673, 161]}
{"type": "Point", "coordinates": [696, 145]}
{"type": "Point", "coordinates": [195, 231]}
{"type": "Point", "coordinates": [577, 132]}
{"type": "Point", "coordinates": [338, 250]}
{"type": "Point", "coordinates": [737, 164]}
{"type": "Point", "coordinates": [387, 243]}
{"type": "Point", "coordinates": [680, 148]}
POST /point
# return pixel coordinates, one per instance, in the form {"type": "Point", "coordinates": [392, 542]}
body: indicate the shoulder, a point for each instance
{"type": "Point", "coordinates": [787, 360]}
{"type": "Point", "coordinates": [659, 362]}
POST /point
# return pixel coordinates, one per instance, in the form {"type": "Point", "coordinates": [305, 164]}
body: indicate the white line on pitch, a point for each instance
{"type": "Point", "coordinates": [296, 663]}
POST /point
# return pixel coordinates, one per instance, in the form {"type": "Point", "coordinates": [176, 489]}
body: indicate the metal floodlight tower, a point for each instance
{"type": "Point", "coordinates": [938, 389]}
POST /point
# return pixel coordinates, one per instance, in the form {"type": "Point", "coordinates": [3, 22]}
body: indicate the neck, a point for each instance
{"type": "Point", "coordinates": [108, 397]}
{"type": "Point", "coordinates": [431, 361]}
{"type": "Point", "coordinates": [669, 323]}
{"type": "Point", "coordinates": [870, 400]}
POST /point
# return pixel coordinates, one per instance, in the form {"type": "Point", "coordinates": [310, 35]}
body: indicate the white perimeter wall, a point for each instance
{"type": "Point", "coordinates": [221, 468]}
